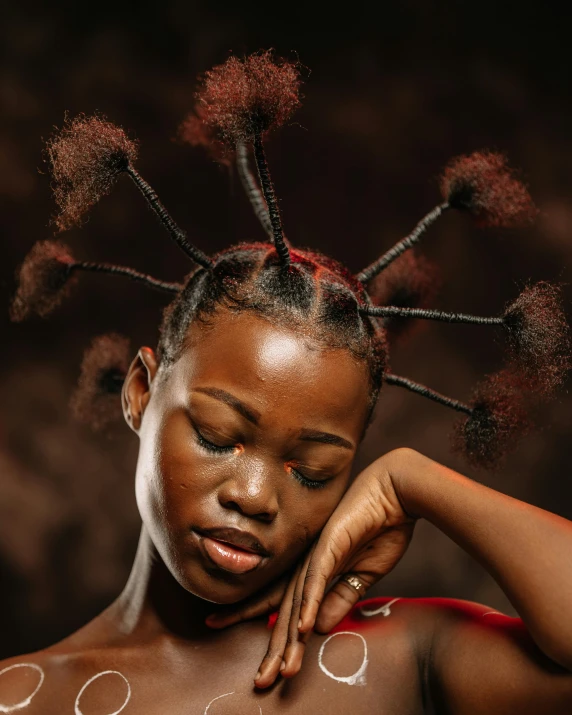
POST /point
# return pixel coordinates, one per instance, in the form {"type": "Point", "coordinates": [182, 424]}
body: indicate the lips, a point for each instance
{"type": "Point", "coordinates": [231, 549]}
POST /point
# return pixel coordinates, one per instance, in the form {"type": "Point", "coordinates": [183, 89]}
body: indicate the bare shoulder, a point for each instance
{"type": "Point", "coordinates": [41, 682]}
{"type": "Point", "coordinates": [474, 659]}
{"type": "Point", "coordinates": [22, 680]}
{"type": "Point", "coordinates": [418, 614]}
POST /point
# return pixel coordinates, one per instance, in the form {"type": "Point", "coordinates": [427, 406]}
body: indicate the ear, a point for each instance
{"type": "Point", "coordinates": [136, 391]}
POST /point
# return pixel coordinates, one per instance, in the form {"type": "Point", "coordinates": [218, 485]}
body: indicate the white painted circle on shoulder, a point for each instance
{"type": "Point", "coordinates": [23, 703]}
{"type": "Point", "coordinates": [96, 677]}
{"type": "Point", "coordinates": [357, 678]}
{"type": "Point", "coordinates": [224, 695]}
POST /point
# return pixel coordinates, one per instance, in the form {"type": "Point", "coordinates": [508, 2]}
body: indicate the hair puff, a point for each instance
{"type": "Point", "coordinates": [483, 184]}
{"type": "Point", "coordinates": [499, 418]}
{"type": "Point", "coordinates": [43, 280]}
{"type": "Point", "coordinates": [539, 335]}
{"type": "Point", "coordinates": [86, 156]}
{"type": "Point", "coordinates": [103, 370]}
{"type": "Point", "coordinates": [196, 132]}
{"type": "Point", "coordinates": [245, 98]}
{"type": "Point", "coordinates": [411, 281]}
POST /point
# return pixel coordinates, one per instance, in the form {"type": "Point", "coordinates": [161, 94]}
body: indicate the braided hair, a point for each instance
{"type": "Point", "coordinates": [237, 105]}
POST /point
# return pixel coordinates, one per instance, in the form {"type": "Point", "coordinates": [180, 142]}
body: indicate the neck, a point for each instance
{"type": "Point", "coordinates": [153, 603]}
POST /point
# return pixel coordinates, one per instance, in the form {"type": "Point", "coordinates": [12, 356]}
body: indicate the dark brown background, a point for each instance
{"type": "Point", "coordinates": [394, 92]}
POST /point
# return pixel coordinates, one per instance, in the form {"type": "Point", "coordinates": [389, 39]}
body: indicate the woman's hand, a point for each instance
{"type": "Point", "coordinates": [366, 535]}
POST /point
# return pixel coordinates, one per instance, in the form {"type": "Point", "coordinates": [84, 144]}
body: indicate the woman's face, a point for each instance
{"type": "Point", "coordinates": [247, 443]}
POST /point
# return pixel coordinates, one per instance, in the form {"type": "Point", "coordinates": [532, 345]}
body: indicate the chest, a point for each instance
{"type": "Point", "coordinates": [348, 673]}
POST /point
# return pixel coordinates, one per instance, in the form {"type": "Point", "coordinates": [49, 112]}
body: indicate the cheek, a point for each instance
{"type": "Point", "coordinates": [167, 474]}
{"type": "Point", "coordinates": [304, 513]}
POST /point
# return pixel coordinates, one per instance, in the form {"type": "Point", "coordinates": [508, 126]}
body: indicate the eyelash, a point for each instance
{"type": "Point", "coordinates": [211, 447]}
{"type": "Point", "coordinates": [308, 483]}
{"type": "Point", "coordinates": [218, 449]}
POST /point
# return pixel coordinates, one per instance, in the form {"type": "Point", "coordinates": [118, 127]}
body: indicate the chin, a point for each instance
{"type": "Point", "coordinates": [220, 587]}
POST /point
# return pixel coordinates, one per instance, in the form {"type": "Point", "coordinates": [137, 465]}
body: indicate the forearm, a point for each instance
{"type": "Point", "coordinates": [526, 549]}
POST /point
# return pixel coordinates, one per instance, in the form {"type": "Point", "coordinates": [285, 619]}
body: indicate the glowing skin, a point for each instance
{"type": "Point", "coordinates": [247, 444]}
{"type": "Point", "coordinates": [5, 708]}
{"type": "Point", "coordinates": [385, 610]}
{"type": "Point", "coordinates": [104, 673]}
{"type": "Point", "coordinates": [356, 678]}
{"type": "Point", "coordinates": [243, 432]}
{"type": "Point", "coordinates": [226, 695]}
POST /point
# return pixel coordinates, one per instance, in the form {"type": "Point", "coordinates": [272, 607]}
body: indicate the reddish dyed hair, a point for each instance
{"type": "Point", "coordinates": [86, 155]}
{"type": "Point", "coordinates": [499, 418]}
{"type": "Point", "coordinates": [484, 184]}
{"type": "Point", "coordinates": [43, 280]}
{"type": "Point", "coordinates": [239, 102]}
{"type": "Point", "coordinates": [249, 97]}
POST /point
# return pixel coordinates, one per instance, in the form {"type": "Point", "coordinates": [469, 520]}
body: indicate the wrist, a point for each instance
{"type": "Point", "coordinates": [416, 480]}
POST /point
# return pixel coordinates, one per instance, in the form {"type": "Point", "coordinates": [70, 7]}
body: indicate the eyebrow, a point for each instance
{"type": "Point", "coordinates": [311, 435]}
{"type": "Point", "coordinates": [249, 413]}
{"type": "Point", "coordinates": [252, 415]}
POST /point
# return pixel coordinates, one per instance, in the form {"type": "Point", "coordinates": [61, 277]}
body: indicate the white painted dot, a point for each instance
{"type": "Point", "coordinates": [357, 678]}
{"type": "Point", "coordinates": [100, 675]}
{"type": "Point", "coordinates": [23, 703]}
{"type": "Point", "coordinates": [224, 695]}
{"type": "Point", "coordinates": [385, 610]}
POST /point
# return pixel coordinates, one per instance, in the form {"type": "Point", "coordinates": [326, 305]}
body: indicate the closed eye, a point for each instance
{"type": "Point", "coordinates": [211, 446]}
{"type": "Point", "coordinates": [305, 481]}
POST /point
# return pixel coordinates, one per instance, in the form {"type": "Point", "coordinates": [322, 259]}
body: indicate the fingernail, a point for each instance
{"type": "Point", "coordinates": [257, 676]}
{"type": "Point", "coordinates": [282, 665]}
{"type": "Point", "coordinates": [299, 624]}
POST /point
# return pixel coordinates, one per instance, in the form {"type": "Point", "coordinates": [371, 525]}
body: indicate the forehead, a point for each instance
{"type": "Point", "coordinates": [273, 367]}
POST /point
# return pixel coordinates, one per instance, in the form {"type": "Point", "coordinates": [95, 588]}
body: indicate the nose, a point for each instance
{"type": "Point", "coordinates": [250, 490]}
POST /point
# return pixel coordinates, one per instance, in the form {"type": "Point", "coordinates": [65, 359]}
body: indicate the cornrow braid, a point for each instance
{"type": "Point", "coordinates": [137, 276]}
{"type": "Point", "coordinates": [405, 244]}
{"type": "Point", "coordinates": [252, 189]}
{"type": "Point", "coordinates": [239, 102]}
{"type": "Point", "coordinates": [535, 324]}
{"type": "Point", "coordinates": [194, 131]}
{"type": "Point", "coordinates": [86, 157]}
{"type": "Point", "coordinates": [481, 184]}
{"type": "Point", "coordinates": [427, 392]}
{"type": "Point", "coordinates": [46, 275]}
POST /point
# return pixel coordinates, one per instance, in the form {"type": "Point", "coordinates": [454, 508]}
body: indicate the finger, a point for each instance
{"type": "Point", "coordinates": [251, 608]}
{"type": "Point", "coordinates": [338, 602]}
{"type": "Point", "coordinates": [321, 570]}
{"type": "Point", "coordinates": [296, 644]}
{"type": "Point", "coordinates": [270, 666]}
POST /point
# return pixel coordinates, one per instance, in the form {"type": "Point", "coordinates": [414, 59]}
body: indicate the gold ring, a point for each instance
{"type": "Point", "coordinates": [355, 583]}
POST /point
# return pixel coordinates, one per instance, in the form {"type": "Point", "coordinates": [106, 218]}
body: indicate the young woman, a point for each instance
{"type": "Point", "coordinates": [249, 415]}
